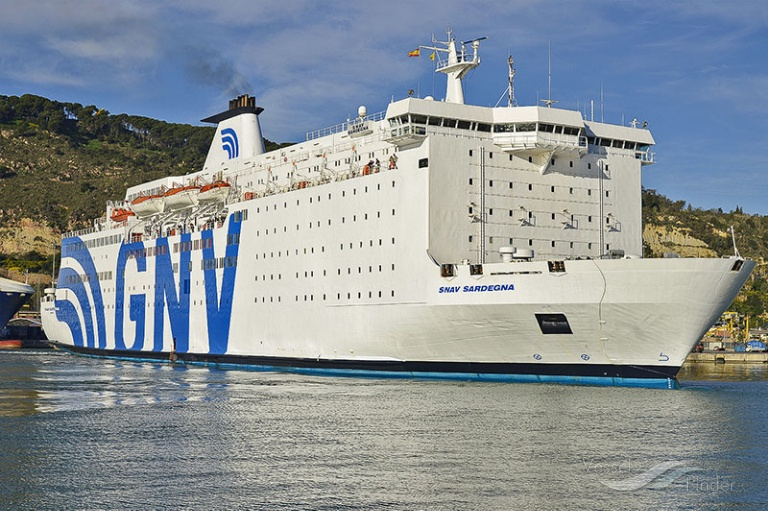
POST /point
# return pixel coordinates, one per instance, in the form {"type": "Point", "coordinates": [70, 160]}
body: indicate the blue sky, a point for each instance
{"type": "Point", "coordinates": [696, 70]}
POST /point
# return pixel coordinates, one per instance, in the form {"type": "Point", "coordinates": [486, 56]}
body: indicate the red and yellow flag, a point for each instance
{"type": "Point", "coordinates": [415, 53]}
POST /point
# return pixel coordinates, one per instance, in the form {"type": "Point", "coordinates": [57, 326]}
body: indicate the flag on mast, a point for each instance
{"type": "Point", "coordinates": [415, 53]}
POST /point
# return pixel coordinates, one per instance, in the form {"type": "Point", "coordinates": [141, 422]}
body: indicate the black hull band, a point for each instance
{"type": "Point", "coordinates": [594, 374]}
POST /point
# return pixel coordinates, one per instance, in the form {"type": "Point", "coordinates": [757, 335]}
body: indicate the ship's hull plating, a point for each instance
{"type": "Point", "coordinates": [627, 321]}
{"type": "Point", "coordinates": [592, 374]}
{"type": "Point", "coordinates": [13, 296]}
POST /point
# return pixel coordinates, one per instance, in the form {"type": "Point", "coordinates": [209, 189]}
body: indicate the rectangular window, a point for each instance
{"type": "Point", "coordinates": [553, 324]}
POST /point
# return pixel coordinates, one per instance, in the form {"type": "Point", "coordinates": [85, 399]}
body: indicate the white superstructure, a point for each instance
{"type": "Point", "coordinates": [436, 239]}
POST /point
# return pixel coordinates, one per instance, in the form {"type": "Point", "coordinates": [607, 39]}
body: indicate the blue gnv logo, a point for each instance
{"type": "Point", "coordinates": [171, 297]}
{"type": "Point", "coordinates": [230, 143]}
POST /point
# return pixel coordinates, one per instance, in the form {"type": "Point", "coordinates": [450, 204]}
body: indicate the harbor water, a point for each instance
{"type": "Point", "coordinates": [85, 434]}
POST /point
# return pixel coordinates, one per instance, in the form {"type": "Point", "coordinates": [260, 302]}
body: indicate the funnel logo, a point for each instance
{"type": "Point", "coordinates": [229, 143]}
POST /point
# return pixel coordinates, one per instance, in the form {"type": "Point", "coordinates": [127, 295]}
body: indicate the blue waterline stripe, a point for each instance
{"type": "Point", "coordinates": [598, 381]}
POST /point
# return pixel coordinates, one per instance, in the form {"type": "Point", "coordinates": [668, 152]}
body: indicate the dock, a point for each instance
{"type": "Point", "coordinates": [728, 357]}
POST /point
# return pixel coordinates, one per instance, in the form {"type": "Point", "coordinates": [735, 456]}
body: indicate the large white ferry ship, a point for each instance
{"type": "Point", "coordinates": [436, 239]}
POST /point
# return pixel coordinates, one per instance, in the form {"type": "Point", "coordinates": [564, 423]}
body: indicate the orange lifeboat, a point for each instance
{"type": "Point", "coordinates": [145, 205]}
{"type": "Point", "coordinates": [180, 197]}
{"type": "Point", "coordinates": [214, 192]}
{"type": "Point", "coordinates": [121, 214]}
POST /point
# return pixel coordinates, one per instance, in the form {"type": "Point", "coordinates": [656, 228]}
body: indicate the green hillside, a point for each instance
{"type": "Point", "coordinates": [61, 162]}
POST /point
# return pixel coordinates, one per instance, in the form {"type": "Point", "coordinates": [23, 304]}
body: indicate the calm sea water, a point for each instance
{"type": "Point", "coordinates": [79, 433]}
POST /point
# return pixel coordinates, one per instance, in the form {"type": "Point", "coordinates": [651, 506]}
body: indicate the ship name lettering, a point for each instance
{"type": "Point", "coordinates": [477, 289]}
{"type": "Point", "coordinates": [493, 287]}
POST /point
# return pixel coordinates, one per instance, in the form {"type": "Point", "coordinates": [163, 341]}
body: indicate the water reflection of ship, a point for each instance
{"type": "Point", "coordinates": [18, 398]}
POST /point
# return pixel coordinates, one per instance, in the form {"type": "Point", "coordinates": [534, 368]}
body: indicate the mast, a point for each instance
{"type": "Point", "coordinates": [456, 64]}
{"type": "Point", "coordinates": [511, 101]}
{"type": "Point", "coordinates": [549, 101]}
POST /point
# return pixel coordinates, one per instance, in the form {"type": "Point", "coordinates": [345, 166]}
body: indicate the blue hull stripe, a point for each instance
{"type": "Point", "coordinates": [578, 374]}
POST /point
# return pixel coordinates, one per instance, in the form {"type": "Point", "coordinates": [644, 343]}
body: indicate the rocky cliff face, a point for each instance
{"type": "Point", "coordinates": [664, 239]}
{"type": "Point", "coordinates": [28, 235]}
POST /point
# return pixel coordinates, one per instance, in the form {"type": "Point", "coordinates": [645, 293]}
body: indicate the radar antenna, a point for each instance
{"type": "Point", "coordinates": [510, 90]}
{"type": "Point", "coordinates": [511, 101]}
{"type": "Point", "coordinates": [549, 101]}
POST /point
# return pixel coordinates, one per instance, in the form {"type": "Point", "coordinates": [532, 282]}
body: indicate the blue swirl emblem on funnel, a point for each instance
{"type": "Point", "coordinates": [230, 143]}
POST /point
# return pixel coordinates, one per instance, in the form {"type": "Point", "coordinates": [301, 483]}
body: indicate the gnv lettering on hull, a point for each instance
{"type": "Point", "coordinates": [218, 305]}
{"type": "Point", "coordinates": [170, 296]}
{"type": "Point", "coordinates": [477, 289]}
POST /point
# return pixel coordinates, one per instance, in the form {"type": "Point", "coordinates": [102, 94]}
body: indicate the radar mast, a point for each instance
{"type": "Point", "coordinates": [455, 64]}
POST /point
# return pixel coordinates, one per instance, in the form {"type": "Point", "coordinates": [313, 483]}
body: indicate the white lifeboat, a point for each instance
{"type": "Point", "coordinates": [147, 205]}
{"type": "Point", "coordinates": [214, 192]}
{"type": "Point", "coordinates": [180, 197]}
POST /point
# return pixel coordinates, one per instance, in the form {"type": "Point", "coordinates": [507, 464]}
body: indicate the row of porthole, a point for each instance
{"type": "Point", "coordinates": [322, 249]}
{"type": "Point", "coordinates": [330, 197]}
{"type": "Point", "coordinates": [552, 188]}
{"type": "Point", "coordinates": [552, 243]}
{"type": "Point", "coordinates": [339, 297]}
{"type": "Point", "coordinates": [311, 273]}
{"type": "Point", "coordinates": [318, 224]}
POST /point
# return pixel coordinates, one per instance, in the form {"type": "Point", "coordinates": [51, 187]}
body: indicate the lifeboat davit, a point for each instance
{"type": "Point", "coordinates": [214, 192]}
{"type": "Point", "coordinates": [121, 214]}
{"type": "Point", "coordinates": [146, 205]}
{"type": "Point", "coordinates": [180, 197]}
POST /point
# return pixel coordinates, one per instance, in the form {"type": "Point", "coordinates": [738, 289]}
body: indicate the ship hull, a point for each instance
{"type": "Point", "coordinates": [626, 322]}
{"type": "Point", "coordinates": [13, 295]}
{"type": "Point", "coordinates": [594, 375]}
